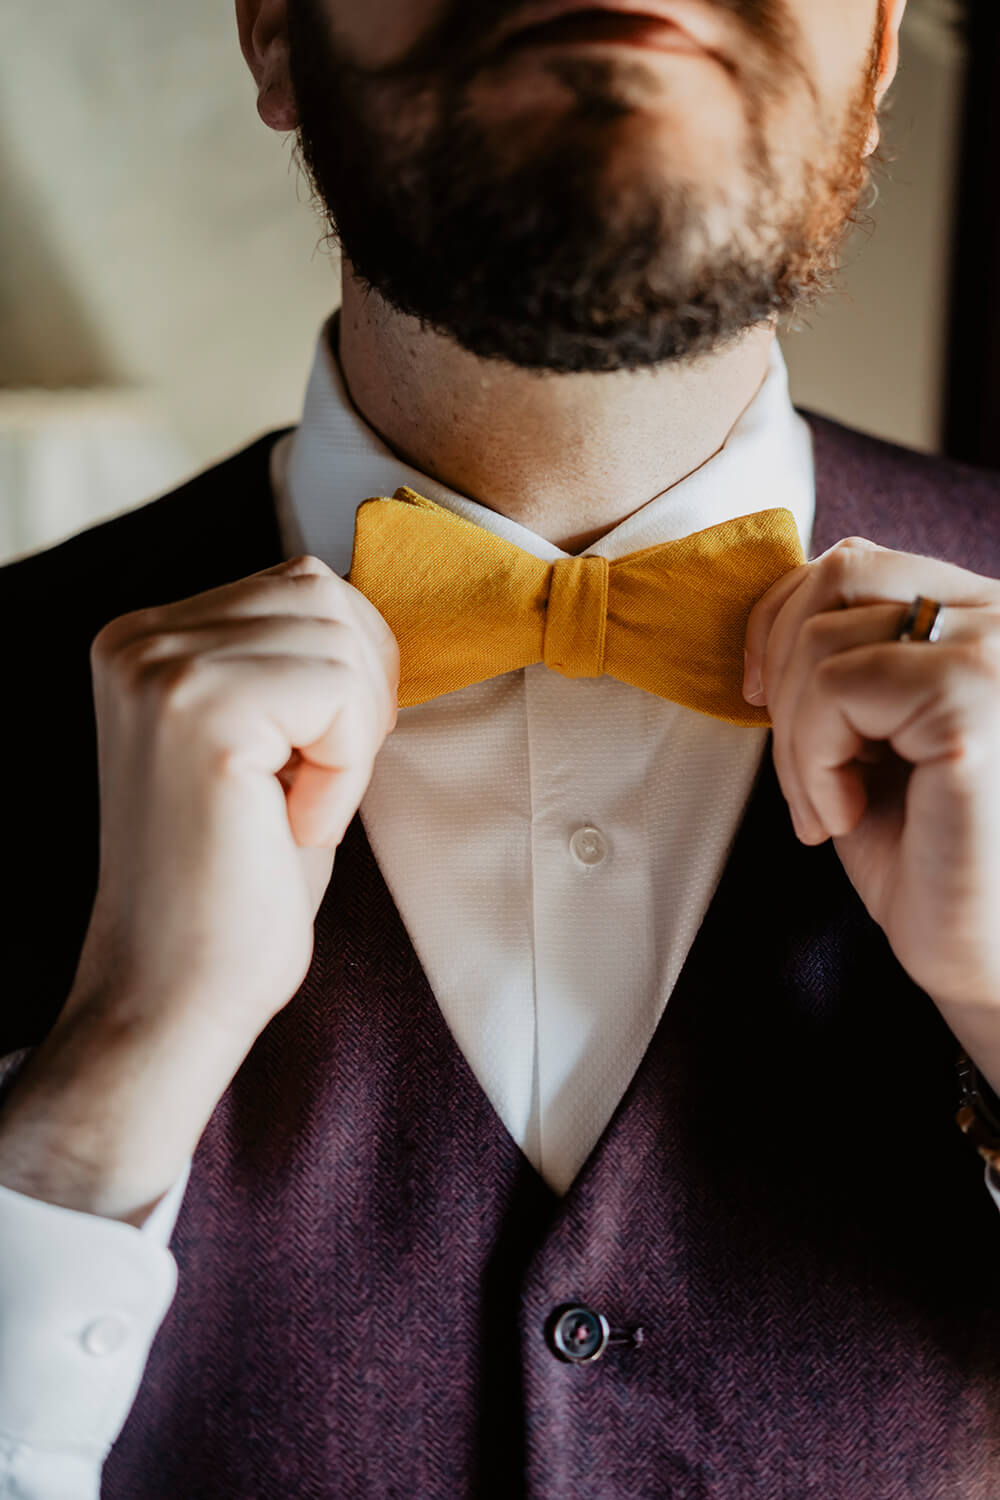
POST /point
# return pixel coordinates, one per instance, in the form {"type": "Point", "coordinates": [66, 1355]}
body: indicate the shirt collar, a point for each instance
{"type": "Point", "coordinates": [334, 460]}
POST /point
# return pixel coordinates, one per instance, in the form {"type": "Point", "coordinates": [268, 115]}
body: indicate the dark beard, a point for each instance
{"type": "Point", "coordinates": [534, 262]}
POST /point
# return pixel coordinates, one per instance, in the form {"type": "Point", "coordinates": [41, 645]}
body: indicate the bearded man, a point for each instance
{"type": "Point", "coordinates": [507, 870]}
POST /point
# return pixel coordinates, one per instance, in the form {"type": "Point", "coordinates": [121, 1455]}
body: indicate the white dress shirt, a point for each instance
{"type": "Point", "coordinates": [571, 941]}
{"type": "Point", "coordinates": [572, 831]}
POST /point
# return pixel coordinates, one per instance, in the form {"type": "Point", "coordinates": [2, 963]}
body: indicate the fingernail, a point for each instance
{"type": "Point", "coordinates": [753, 690]}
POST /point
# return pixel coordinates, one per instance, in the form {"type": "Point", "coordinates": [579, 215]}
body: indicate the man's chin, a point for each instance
{"type": "Point", "coordinates": [517, 336]}
{"type": "Point", "coordinates": [570, 281]}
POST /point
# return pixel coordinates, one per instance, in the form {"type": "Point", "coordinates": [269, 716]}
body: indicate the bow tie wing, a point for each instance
{"type": "Point", "coordinates": [678, 612]}
{"type": "Point", "coordinates": [464, 605]}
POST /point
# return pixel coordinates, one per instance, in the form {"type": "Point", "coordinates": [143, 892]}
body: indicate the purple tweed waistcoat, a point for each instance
{"type": "Point", "coordinates": [786, 1231]}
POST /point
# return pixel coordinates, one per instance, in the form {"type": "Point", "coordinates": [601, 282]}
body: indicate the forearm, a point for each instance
{"type": "Point", "coordinates": [106, 1112]}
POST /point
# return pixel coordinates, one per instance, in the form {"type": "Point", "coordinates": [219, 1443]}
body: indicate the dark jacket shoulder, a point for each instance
{"type": "Point", "coordinates": [217, 527]}
{"type": "Point", "coordinates": [909, 501]}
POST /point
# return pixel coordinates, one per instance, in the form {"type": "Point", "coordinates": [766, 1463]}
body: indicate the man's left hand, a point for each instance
{"type": "Point", "coordinates": [892, 748]}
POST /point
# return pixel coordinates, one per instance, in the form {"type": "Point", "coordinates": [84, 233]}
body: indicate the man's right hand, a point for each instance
{"type": "Point", "coordinates": [237, 732]}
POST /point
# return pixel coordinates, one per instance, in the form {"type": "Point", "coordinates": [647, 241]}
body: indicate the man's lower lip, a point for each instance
{"type": "Point", "coordinates": [605, 27]}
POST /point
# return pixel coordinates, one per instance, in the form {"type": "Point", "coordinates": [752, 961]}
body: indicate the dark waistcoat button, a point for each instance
{"type": "Point", "coordinates": [579, 1334]}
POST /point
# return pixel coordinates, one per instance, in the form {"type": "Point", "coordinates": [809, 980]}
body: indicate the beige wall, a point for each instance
{"type": "Point", "coordinates": [155, 235]}
{"type": "Point", "coordinates": [159, 231]}
{"type": "Point", "coordinates": [872, 356]}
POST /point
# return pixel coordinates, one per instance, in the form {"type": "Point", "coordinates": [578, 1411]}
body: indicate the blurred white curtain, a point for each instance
{"type": "Point", "coordinates": [71, 458]}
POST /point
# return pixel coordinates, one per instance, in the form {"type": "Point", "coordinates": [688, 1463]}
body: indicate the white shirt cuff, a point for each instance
{"type": "Point", "coordinates": [81, 1300]}
{"type": "Point", "coordinates": [34, 1474]}
{"type": "Point", "coordinates": [992, 1187]}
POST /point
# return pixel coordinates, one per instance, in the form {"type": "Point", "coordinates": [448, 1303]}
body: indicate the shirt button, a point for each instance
{"type": "Point", "coordinates": [105, 1335]}
{"type": "Point", "coordinates": [588, 845]}
{"type": "Point", "coordinates": [580, 1334]}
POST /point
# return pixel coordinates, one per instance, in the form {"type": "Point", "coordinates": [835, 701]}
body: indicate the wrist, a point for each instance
{"type": "Point", "coordinates": [977, 1027]}
{"type": "Point", "coordinates": [105, 1112]}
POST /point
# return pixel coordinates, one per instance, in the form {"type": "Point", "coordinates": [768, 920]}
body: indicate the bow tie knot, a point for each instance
{"type": "Point", "coordinates": [575, 622]}
{"type": "Point", "coordinates": [466, 605]}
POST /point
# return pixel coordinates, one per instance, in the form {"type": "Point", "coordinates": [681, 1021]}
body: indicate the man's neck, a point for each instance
{"type": "Point", "coordinates": [568, 456]}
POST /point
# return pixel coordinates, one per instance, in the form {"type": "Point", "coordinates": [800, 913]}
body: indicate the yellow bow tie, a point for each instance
{"type": "Point", "coordinates": [466, 605]}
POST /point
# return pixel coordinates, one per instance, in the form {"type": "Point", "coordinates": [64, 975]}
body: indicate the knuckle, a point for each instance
{"type": "Point", "coordinates": [342, 674]}
{"type": "Point", "coordinates": [840, 562]}
{"type": "Point", "coordinates": [102, 643]}
{"type": "Point", "coordinates": [975, 750]}
{"type": "Point", "coordinates": [148, 673]}
{"type": "Point", "coordinates": [982, 655]}
{"type": "Point", "coordinates": [950, 728]}
{"type": "Point", "coordinates": [821, 630]}
{"type": "Point", "coordinates": [114, 634]}
{"type": "Point", "coordinates": [337, 630]}
{"type": "Point", "coordinates": [307, 565]}
{"type": "Point", "coordinates": [343, 645]}
{"type": "Point", "coordinates": [324, 588]}
{"type": "Point", "coordinates": [123, 661]}
{"type": "Point", "coordinates": [269, 593]}
{"type": "Point", "coordinates": [133, 659]}
{"type": "Point", "coordinates": [175, 681]}
{"type": "Point", "coordinates": [830, 670]}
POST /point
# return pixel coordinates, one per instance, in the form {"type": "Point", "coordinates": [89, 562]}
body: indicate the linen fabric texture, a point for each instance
{"type": "Point", "coordinates": [783, 1225]}
{"type": "Point", "coordinates": [466, 605]}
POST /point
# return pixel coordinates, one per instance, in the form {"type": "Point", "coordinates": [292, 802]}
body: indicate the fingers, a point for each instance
{"type": "Point", "coordinates": [854, 595]}
{"type": "Point", "coordinates": [290, 671]}
{"type": "Point", "coordinates": [300, 607]}
{"type": "Point", "coordinates": [247, 713]}
{"type": "Point", "coordinates": [853, 572]}
{"type": "Point", "coordinates": [275, 635]}
{"type": "Point", "coordinates": [325, 798]}
{"type": "Point", "coordinates": [940, 704]}
{"type": "Point", "coordinates": [237, 598]}
{"type": "Point", "coordinates": [760, 626]}
{"type": "Point", "coordinates": [821, 636]}
{"type": "Point", "coordinates": [303, 585]}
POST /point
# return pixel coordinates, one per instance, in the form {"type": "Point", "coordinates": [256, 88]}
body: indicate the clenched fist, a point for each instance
{"type": "Point", "coordinates": [236, 734]}
{"type": "Point", "coordinates": [237, 731]}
